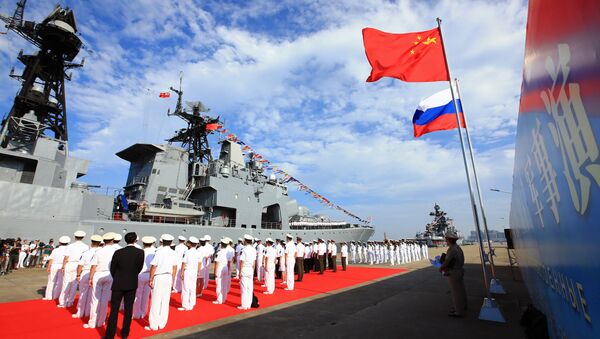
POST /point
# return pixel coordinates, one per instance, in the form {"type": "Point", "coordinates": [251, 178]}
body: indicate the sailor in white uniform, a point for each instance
{"type": "Point", "coordinates": [260, 268]}
{"type": "Point", "coordinates": [209, 252]}
{"type": "Point", "coordinates": [290, 261]}
{"type": "Point", "coordinates": [83, 278]}
{"type": "Point", "coordinates": [189, 275]}
{"type": "Point", "coordinates": [221, 272]}
{"type": "Point", "coordinates": [230, 262]}
{"type": "Point", "coordinates": [269, 263]}
{"type": "Point", "coordinates": [142, 294]}
{"type": "Point", "coordinates": [247, 258]}
{"type": "Point", "coordinates": [163, 269]}
{"type": "Point", "coordinates": [54, 269]}
{"type": "Point", "coordinates": [118, 237]}
{"type": "Point", "coordinates": [238, 252]}
{"type": "Point", "coordinates": [101, 282]}
{"type": "Point", "coordinates": [73, 254]}
{"type": "Point", "coordinates": [180, 249]}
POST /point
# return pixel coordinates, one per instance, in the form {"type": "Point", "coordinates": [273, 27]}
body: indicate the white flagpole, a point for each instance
{"type": "Point", "coordinates": [495, 285]}
{"type": "Point", "coordinates": [489, 310]}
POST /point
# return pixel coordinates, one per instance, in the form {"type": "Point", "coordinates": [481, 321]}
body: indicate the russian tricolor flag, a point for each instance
{"type": "Point", "coordinates": [436, 113]}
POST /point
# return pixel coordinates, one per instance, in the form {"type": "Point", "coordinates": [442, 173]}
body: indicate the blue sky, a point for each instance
{"type": "Point", "coordinates": [288, 77]}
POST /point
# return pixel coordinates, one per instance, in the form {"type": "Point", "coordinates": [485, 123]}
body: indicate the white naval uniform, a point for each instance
{"type": "Point", "coordinates": [180, 250]}
{"type": "Point", "coordinates": [290, 255]}
{"type": "Point", "coordinates": [191, 259]}
{"type": "Point", "coordinates": [238, 252]}
{"type": "Point", "coordinates": [209, 251]}
{"type": "Point", "coordinates": [230, 255]}
{"type": "Point", "coordinates": [69, 286]}
{"type": "Point", "coordinates": [260, 268]}
{"type": "Point", "coordinates": [101, 285]}
{"type": "Point", "coordinates": [85, 292]}
{"type": "Point", "coordinates": [280, 255]}
{"type": "Point", "coordinates": [221, 273]}
{"type": "Point", "coordinates": [270, 255]}
{"type": "Point", "coordinates": [164, 260]}
{"type": "Point", "coordinates": [247, 256]}
{"type": "Point", "coordinates": [55, 277]}
{"type": "Point", "coordinates": [142, 294]}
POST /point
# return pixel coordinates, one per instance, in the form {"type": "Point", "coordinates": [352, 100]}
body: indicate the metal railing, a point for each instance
{"type": "Point", "coordinates": [272, 225]}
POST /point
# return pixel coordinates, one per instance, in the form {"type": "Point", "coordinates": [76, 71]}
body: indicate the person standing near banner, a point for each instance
{"type": "Point", "coordinates": [453, 269]}
{"type": "Point", "coordinates": [125, 266]}
{"type": "Point", "coordinates": [163, 269]}
{"type": "Point", "coordinates": [83, 277]}
{"type": "Point", "coordinates": [247, 258]}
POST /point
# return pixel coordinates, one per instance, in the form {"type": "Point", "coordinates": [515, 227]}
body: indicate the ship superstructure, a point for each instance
{"type": "Point", "coordinates": [435, 230]}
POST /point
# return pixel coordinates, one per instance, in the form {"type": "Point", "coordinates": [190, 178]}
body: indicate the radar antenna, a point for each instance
{"type": "Point", "coordinates": [40, 105]}
{"type": "Point", "coordinates": [194, 137]}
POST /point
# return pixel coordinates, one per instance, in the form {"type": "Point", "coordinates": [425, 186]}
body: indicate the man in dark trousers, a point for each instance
{"type": "Point", "coordinates": [125, 266]}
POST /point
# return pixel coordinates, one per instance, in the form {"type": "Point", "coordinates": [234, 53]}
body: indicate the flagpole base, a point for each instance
{"type": "Point", "coordinates": [490, 311]}
{"type": "Point", "coordinates": [496, 287]}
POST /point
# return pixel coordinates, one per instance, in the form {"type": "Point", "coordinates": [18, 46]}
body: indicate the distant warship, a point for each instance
{"type": "Point", "coordinates": [176, 187]}
{"type": "Point", "coordinates": [435, 230]}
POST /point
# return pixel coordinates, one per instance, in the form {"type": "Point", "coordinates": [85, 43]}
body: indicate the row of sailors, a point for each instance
{"type": "Point", "coordinates": [394, 252]}
{"type": "Point", "coordinates": [183, 269]}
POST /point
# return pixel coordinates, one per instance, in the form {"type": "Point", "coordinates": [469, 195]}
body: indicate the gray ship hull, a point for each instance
{"type": "Point", "coordinates": [36, 212]}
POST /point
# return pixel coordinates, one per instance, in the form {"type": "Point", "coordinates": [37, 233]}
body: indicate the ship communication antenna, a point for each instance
{"type": "Point", "coordinates": [39, 108]}
{"type": "Point", "coordinates": [193, 138]}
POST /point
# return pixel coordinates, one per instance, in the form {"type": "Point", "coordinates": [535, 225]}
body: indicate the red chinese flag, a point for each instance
{"type": "Point", "coordinates": [164, 95]}
{"type": "Point", "coordinates": [412, 57]}
{"type": "Point", "coordinates": [212, 127]}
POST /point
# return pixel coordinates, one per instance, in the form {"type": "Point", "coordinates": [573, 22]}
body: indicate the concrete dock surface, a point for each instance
{"type": "Point", "coordinates": [413, 304]}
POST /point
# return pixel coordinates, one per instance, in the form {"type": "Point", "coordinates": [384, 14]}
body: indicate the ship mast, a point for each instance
{"type": "Point", "coordinates": [40, 105]}
{"type": "Point", "coordinates": [194, 138]}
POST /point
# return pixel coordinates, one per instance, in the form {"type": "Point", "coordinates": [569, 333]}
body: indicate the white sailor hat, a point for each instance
{"type": "Point", "coordinates": [269, 240]}
{"type": "Point", "coordinates": [225, 240]}
{"type": "Point", "coordinates": [257, 240]}
{"type": "Point", "coordinates": [96, 237]}
{"type": "Point", "coordinates": [229, 240]}
{"type": "Point", "coordinates": [248, 237]}
{"type": "Point", "coordinates": [167, 237]}
{"type": "Point", "coordinates": [64, 239]}
{"type": "Point", "coordinates": [240, 239]}
{"type": "Point", "coordinates": [194, 240]}
{"type": "Point", "coordinates": [79, 234]}
{"type": "Point", "coordinates": [118, 237]}
{"type": "Point", "coordinates": [181, 238]}
{"type": "Point", "coordinates": [207, 238]}
{"type": "Point", "coordinates": [451, 234]}
{"type": "Point", "coordinates": [148, 240]}
{"type": "Point", "coordinates": [108, 236]}
{"type": "Point", "coordinates": [289, 236]}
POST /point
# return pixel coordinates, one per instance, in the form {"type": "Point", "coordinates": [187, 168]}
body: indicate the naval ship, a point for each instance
{"type": "Point", "coordinates": [434, 232]}
{"type": "Point", "coordinates": [176, 187]}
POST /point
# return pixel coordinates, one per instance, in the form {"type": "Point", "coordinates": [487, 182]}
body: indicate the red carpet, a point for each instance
{"type": "Point", "coordinates": [41, 319]}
